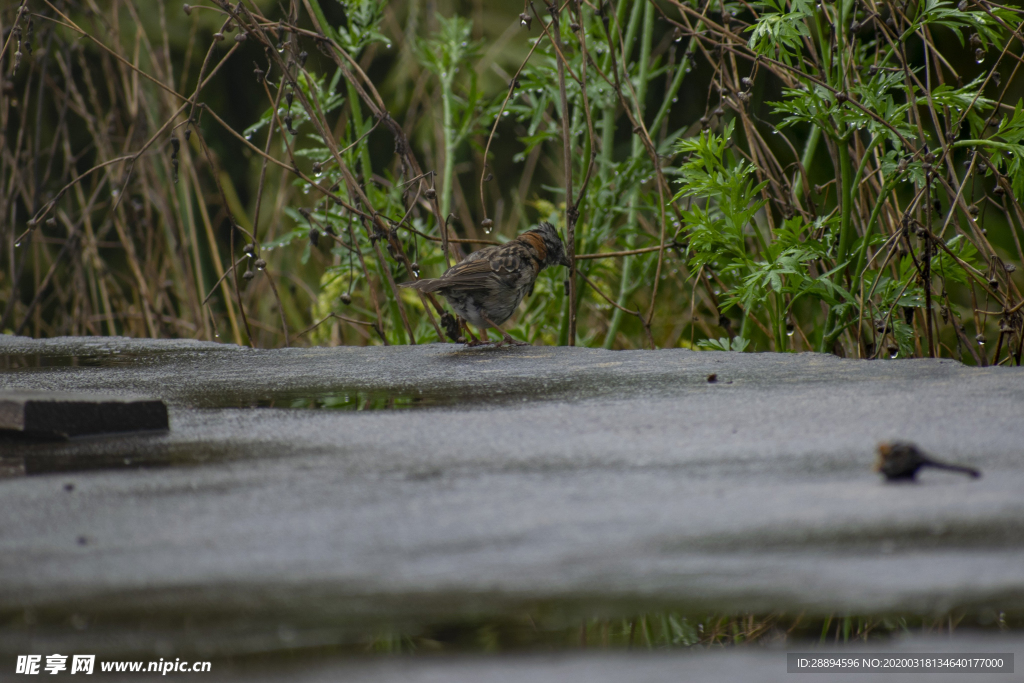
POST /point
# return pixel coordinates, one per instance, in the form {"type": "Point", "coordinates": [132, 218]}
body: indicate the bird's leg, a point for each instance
{"type": "Point", "coordinates": [473, 341]}
{"type": "Point", "coordinates": [506, 337]}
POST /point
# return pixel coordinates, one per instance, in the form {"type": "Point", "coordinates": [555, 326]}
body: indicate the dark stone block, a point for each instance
{"type": "Point", "coordinates": [65, 414]}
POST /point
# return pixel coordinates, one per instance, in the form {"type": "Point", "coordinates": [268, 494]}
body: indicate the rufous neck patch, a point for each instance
{"type": "Point", "coordinates": [538, 244]}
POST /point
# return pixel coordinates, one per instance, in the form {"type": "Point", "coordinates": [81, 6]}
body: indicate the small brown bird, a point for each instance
{"type": "Point", "coordinates": [486, 288]}
{"type": "Point", "coordinates": [900, 460]}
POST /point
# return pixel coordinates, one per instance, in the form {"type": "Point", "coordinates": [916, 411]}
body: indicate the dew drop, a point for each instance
{"type": "Point", "coordinates": [894, 352]}
{"type": "Point", "coordinates": [487, 231]}
{"type": "Point", "coordinates": [17, 244]}
{"type": "Point", "coordinates": [790, 330]}
{"type": "Point", "coordinates": [388, 46]}
{"type": "Point", "coordinates": [249, 136]}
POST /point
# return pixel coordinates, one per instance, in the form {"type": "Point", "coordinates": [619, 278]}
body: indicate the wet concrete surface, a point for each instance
{"type": "Point", "coordinates": [569, 483]}
{"type": "Point", "coordinates": [767, 665]}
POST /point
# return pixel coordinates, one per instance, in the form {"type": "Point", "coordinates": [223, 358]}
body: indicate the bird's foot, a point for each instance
{"type": "Point", "coordinates": [514, 342]}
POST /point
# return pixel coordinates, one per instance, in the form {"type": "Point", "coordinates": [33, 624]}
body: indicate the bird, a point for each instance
{"type": "Point", "coordinates": [486, 287]}
{"type": "Point", "coordinates": [900, 460]}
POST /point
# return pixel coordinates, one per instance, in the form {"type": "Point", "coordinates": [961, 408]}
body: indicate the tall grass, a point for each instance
{"type": "Point", "coordinates": [843, 177]}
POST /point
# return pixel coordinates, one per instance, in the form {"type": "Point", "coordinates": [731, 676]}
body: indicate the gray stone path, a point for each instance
{"type": "Point", "coordinates": [579, 481]}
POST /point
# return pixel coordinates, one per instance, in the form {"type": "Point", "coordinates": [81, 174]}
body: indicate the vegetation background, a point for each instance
{"type": "Point", "coordinates": [784, 175]}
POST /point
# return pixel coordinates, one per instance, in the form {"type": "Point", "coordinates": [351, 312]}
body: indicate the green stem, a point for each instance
{"type": "Point", "coordinates": [810, 148]}
{"type": "Point", "coordinates": [449, 148]}
{"type": "Point", "coordinates": [357, 120]}
{"type": "Point", "coordinates": [831, 332]}
{"type": "Point", "coordinates": [641, 95]}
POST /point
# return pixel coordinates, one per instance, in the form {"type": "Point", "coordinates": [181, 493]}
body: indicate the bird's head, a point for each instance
{"type": "Point", "coordinates": [554, 249]}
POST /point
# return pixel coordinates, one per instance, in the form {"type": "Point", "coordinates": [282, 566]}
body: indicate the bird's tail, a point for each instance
{"type": "Point", "coordinates": [425, 285]}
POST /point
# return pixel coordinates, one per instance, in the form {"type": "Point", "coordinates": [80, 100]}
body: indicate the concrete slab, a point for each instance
{"type": "Point", "coordinates": [63, 414]}
{"type": "Point", "coordinates": [566, 483]}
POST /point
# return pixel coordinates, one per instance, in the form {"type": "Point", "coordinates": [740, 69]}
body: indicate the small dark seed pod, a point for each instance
{"type": "Point", "coordinates": [317, 168]}
{"type": "Point", "coordinates": [993, 283]}
{"type": "Point", "coordinates": [973, 209]}
{"type": "Point", "coordinates": [999, 191]}
{"type": "Point", "coordinates": [962, 6]}
{"type": "Point", "coordinates": [248, 275]}
{"type": "Point", "coordinates": [747, 82]}
{"type": "Point", "coordinates": [429, 193]}
{"type": "Point", "coordinates": [303, 56]}
{"type": "Point", "coordinates": [842, 97]}
{"type": "Point", "coordinates": [345, 298]}
{"type": "Point", "coordinates": [187, 7]}
{"type": "Point", "coordinates": [218, 36]}
{"type": "Point", "coordinates": [249, 249]}
{"type": "Point", "coordinates": [487, 223]}
{"type": "Point", "coordinates": [260, 264]}
{"type": "Point", "coordinates": [314, 237]}
{"type": "Point", "coordinates": [241, 37]}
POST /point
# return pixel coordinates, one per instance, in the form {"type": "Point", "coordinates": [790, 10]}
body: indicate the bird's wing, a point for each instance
{"type": "Point", "coordinates": [500, 268]}
{"type": "Point", "coordinates": [489, 268]}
